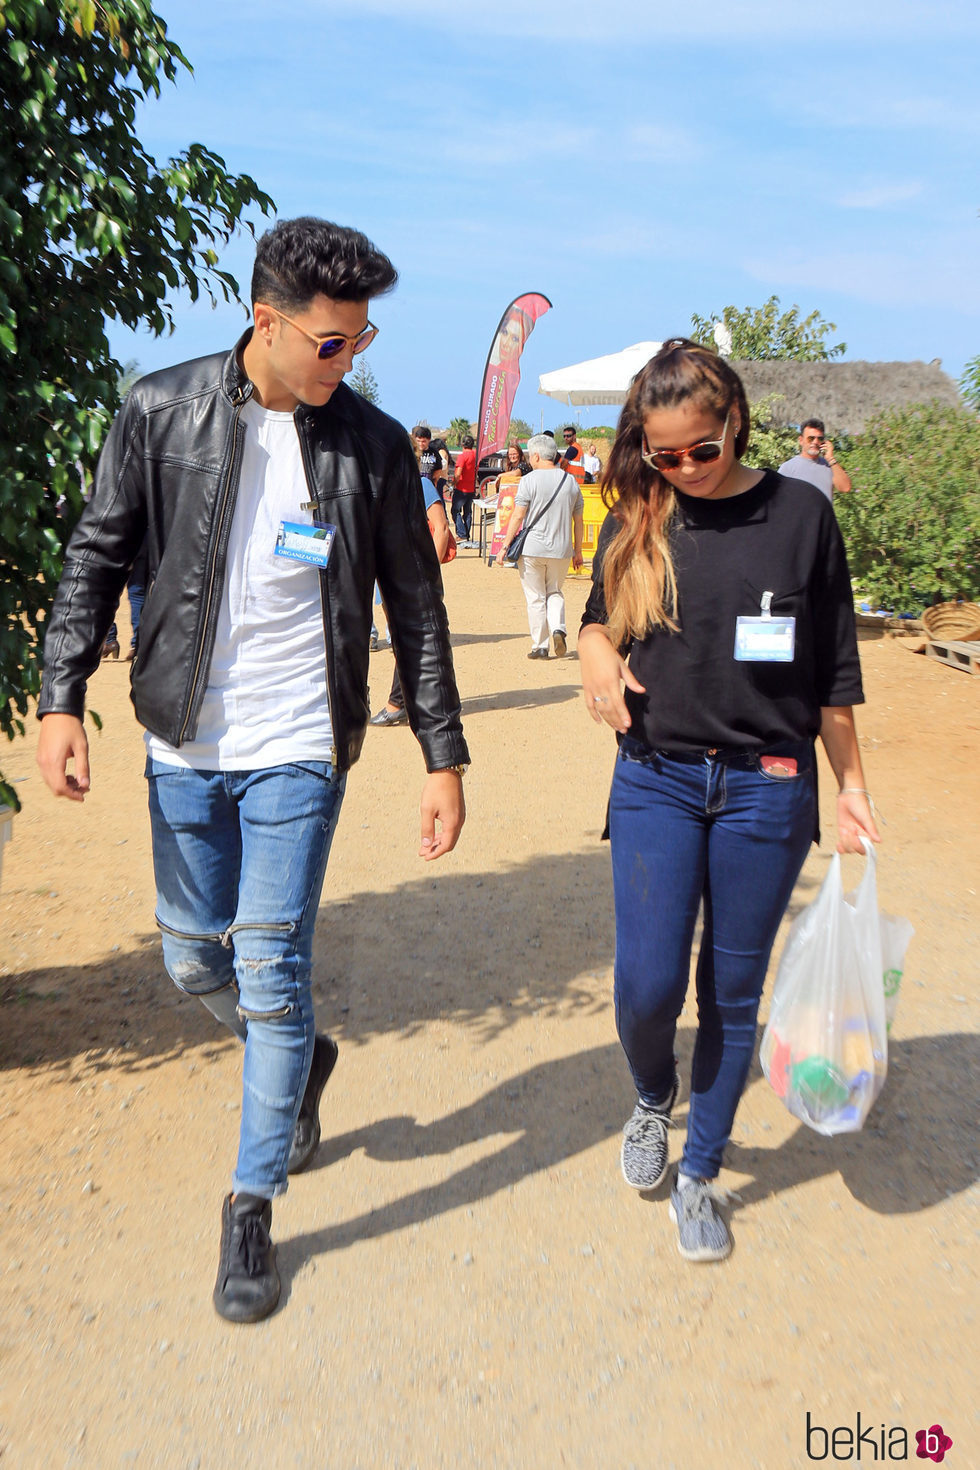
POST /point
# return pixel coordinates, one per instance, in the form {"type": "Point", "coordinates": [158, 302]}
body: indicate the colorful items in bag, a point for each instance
{"type": "Point", "coordinates": [825, 1048]}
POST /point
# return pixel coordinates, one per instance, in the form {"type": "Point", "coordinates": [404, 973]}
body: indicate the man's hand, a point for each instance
{"type": "Point", "coordinates": [442, 802]}
{"type": "Point", "coordinates": [63, 739]}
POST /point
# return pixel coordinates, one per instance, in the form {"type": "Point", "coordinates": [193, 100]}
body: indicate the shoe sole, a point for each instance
{"type": "Point", "coordinates": [561, 647]}
{"type": "Point", "coordinates": [705, 1253]}
{"type": "Point", "coordinates": [306, 1157]}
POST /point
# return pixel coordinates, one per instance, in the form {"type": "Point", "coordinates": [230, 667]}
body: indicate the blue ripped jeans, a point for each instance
{"type": "Point", "coordinates": [239, 859]}
{"type": "Point", "coordinates": [686, 831]}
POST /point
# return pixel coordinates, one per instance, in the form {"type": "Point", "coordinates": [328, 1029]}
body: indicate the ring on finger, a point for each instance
{"type": "Point", "coordinates": [599, 699]}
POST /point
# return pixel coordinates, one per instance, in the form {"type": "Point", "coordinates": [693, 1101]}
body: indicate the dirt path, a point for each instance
{"type": "Point", "coordinates": [467, 1279]}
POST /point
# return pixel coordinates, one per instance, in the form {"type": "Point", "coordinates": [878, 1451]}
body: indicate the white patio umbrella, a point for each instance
{"type": "Point", "coordinates": [601, 379]}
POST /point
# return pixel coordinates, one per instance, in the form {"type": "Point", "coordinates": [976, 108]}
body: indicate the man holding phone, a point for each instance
{"type": "Point", "coordinates": [817, 462]}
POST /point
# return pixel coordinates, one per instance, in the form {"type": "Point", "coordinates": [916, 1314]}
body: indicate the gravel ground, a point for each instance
{"type": "Point", "coordinates": [467, 1279]}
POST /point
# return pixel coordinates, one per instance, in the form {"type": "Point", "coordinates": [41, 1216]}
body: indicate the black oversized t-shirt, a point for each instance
{"type": "Point", "coordinates": [780, 537]}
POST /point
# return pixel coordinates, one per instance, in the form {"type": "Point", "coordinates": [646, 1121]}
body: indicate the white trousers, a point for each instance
{"type": "Point", "coordinates": [542, 578]}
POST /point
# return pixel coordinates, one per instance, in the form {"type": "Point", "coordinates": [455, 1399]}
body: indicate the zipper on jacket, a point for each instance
{"type": "Point", "coordinates": [307, 422]}
{"type": "Point", "coordinates": [230, 485]}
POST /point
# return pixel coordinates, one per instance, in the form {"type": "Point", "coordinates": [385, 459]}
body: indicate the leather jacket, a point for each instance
{"type": "Point", "coordinates": [168, 477]}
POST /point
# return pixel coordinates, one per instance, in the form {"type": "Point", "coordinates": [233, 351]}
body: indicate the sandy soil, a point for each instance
{"type": "Point", "coordinates": [467, 1279]}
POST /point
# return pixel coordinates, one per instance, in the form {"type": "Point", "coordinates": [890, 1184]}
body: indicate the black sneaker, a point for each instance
{"type": "Point", "coordinates": [561, 647]}
{"type": "Point", "coordinates": [306, 1134]}
{"type": "Point", "coordinates": [702, 1234]}
{"type": "Point", "coordinates": [644, 1153]}
{"type": "Point", "coordinates": [247, 1288]}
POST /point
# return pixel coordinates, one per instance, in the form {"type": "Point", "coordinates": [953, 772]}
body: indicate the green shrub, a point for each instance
{"type": "Point", "coordinates": [912, 523]}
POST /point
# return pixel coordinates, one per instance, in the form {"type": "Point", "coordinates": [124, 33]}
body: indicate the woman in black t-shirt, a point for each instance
{"type": "Point", "coordinates": [721, 601]}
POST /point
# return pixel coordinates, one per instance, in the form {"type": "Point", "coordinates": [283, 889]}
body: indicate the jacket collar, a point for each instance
{"type": "Point", "coordinates": [234, 378]}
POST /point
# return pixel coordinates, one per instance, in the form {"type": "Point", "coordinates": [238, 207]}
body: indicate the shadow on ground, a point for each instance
{"type": "Point", "coordinates": [510, 699]}
{"type": "Point", "coordinates": [908, 1158]}
{"type": "Point", "coordinates": [480, 951]}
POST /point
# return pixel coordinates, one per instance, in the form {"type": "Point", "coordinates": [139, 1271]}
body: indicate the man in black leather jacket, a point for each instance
{"type": "Point", "coordinates": [270, 498]}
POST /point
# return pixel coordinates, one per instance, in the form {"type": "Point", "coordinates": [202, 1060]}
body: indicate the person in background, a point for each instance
{"type": "Point", "coordinates": [592, 462]}
{"type": "Point", "coordinates": [550, 502]}
{"type": "Point", "coordinates": [817, 462]}
{"type": "Point", "coordinates": [516, 464]}
{"type": "Point", "coordinates": [464, 489]}
{"type": "Point", "coordinates": [429, 458]}
{"type": "Point", "coordinates": [136, 593]}
{"type": "Point", "coordinates": [721, 600]}
{"type": "Point", "coordinates": [444, 467]}
{"type": "Point", "coordinates": [572, 451]}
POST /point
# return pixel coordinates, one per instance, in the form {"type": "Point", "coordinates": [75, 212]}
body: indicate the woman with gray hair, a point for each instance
{"type": "Point", "coordinates": [550, 503]}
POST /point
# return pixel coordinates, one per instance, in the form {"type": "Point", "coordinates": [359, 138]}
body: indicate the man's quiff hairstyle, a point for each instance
{"type": "Point", "coordinates": [302, 258]}
{"type": "Point", "coordinates": [814, 424]}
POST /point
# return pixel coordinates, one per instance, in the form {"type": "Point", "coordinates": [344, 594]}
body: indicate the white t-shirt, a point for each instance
{"type": "Point", "coordinates": [266, 700]}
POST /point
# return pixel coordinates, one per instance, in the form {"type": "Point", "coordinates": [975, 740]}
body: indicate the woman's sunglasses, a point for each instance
{"type": "Point", "coordinates": [330, 345]}
{"type": "Point", "coordinates": [704, 452]}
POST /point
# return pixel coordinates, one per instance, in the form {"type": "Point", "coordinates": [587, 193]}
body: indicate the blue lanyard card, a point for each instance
{"type": "Point", "coordinates": [765, 639]}
{"type": "Point", "coordinates": [305, 543]}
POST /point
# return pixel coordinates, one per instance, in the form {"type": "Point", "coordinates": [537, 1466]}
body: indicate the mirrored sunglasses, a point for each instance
{"type": "Point", "coordinates": [330, 345]}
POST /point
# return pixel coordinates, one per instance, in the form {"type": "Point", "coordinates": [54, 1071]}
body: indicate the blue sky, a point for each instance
{"type": "Point", "coordinates": [635, 162]}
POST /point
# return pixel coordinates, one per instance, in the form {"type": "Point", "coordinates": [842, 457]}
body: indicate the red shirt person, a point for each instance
{"type": "Point", "coordinates": [464, 489]}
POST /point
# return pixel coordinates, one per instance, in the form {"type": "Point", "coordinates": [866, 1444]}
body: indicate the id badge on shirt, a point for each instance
{"type": "Point", "coordinates": [310, 544]}
{"type": "Point", "coordinates": [765, 639]}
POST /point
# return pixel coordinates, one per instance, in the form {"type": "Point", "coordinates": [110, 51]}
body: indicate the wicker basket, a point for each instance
{"type": "Point", "coordinates": [952, 622]}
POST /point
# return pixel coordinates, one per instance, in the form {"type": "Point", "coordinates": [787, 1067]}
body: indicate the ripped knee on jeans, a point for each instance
{"type": "Point", "coordinates": [195, 977]}
{"type": "Point", "coordinates": [266, 993]}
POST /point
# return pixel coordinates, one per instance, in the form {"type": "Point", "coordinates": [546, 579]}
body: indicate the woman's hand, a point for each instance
{"type": "Point", "coordinates": [854, 821]}
{"type": "Point", "coordinates": [604, 671]}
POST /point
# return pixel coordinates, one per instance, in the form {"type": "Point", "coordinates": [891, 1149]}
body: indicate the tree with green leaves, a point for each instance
{"type": "Point", "coordinates": [770, 443]}
{"type": "Point", "coordinates": [912, 526]}
{"type": "Point", "coordinates": [91, 228]}
{"type": "Point", "coordinates": [459, 427]}
{"type": "Point", "coordinates": [756, 332]}
{"type": "Point", "coordinates": [363, 381]}
{"type": "Point", "coordinates": [970, 383]}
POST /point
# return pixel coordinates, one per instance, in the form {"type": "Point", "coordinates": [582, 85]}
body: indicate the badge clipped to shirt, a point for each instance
{"type": "Point", "coordinates": [765, 640]}
{"type": "Point", "coordinates": [310, 544]}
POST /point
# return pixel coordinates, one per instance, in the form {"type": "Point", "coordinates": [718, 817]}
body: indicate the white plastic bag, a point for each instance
{"type": "Point", "coordinates": [825, 1048]}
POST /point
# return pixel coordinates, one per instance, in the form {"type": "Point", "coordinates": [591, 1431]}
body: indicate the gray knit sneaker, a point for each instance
{"type": "Point", "coordinates": [644, 1152]}
{"type": "Point", "coordinates": [702, 1234]}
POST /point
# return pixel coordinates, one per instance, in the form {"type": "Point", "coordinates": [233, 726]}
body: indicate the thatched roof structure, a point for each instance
{"type": "Point", "coordinates": [844, 394]}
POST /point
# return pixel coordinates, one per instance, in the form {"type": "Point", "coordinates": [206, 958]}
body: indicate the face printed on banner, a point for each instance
{"type": "Point", "coordinates": [510, 340]}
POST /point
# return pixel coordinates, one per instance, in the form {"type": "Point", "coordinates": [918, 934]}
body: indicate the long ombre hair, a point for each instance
{"type": "Point", "coordinates": [638, 572]}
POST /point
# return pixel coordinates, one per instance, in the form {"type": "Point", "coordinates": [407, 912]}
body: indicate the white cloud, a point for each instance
{"type": "Point", "coordinates": [880, 196]}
